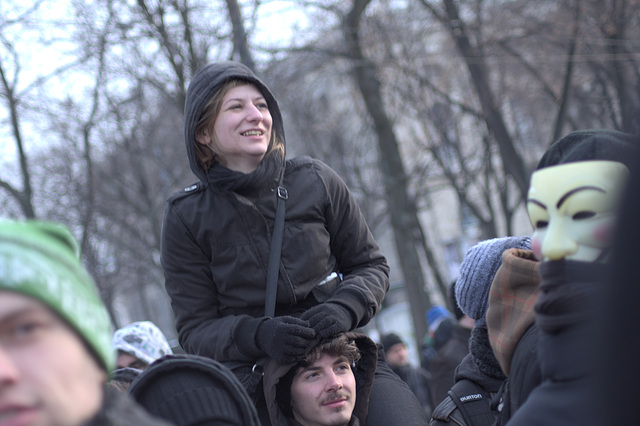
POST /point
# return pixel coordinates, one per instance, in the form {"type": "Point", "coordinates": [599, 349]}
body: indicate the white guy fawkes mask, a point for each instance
{"type": "Point", "coordinates": [572, 208]}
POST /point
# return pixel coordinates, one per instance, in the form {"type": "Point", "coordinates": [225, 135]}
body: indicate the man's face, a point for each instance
{"type": "Point", "coordinates": [324, 393]}
{"type": "Point", "coordinates": [125, 360]}
{"type": "Point", "coordinates": [397, 355]}
{"type": "Point", "coordinates": [572, 208]}
{"type": "Point", "coordinates": [47, 375]}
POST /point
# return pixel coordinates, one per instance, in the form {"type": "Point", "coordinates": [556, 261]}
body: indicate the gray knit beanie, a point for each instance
{"type": "Point", "coordinates": [479, 266]}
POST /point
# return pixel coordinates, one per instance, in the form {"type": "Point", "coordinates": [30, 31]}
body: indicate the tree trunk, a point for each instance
{"type": "Point", "coordinates": [240, 45]}
{"type": "Point", "coordinates": [23, 197]}
{"type": "Point", "coordinates": [511, 160]}
{"type": "Point", "coordinates": [402, 209]}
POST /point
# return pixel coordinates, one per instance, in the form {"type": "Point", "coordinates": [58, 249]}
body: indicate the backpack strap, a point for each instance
{"type": "Point", "coordinates": [447, 413]}
{"type": "Point", "coordinates": [473, 402]}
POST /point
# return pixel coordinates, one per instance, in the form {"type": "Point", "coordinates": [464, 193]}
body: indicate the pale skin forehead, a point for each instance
{"type": "Point", "coordinates": [572, 208]}
{"type": "Point", "coordinates": [552, 186]}
{"type": "Point", "coordinates": [315, 366]}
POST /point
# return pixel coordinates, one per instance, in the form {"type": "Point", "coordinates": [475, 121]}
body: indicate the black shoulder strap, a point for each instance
{"type": "Point", "coordinates": [473, 402]}
{"type": "Point", "coordinates": [274, 253]}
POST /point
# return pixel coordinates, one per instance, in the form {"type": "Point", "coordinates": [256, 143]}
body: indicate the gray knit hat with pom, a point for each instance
{"type": "Point", "coordinates": [479, 266]}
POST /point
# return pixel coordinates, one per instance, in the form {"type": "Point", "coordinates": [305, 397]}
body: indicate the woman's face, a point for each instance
{"type": "Point", "coordinates": [572, 208]}
{"type": "Point", "coordinates": [242, 129]}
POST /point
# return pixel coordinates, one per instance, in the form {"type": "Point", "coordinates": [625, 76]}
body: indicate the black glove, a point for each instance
{"type": "Point", "coordinates": [329, 319]}
{"type": "Point", "coordinates": [285, 339]}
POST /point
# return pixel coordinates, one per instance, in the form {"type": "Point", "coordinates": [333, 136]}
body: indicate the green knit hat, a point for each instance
{"type": "Point", "coordinates": [41, 260]}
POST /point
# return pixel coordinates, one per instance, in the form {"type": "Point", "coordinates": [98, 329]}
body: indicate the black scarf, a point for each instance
{"type": "Point", "coordinates": [266, 175]}
{"type": "Point", "coordinates": [482, 354]}
{"type": "Point", "coordinates": [569, 292]}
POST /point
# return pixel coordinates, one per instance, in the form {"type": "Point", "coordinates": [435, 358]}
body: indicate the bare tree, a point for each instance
{"type": "Point", "coordinates": [152, 48]}
{"type": "Point", "coordinates": [402, 209]}
{"type": "Point", "coordinates": [407, 103]}
{"type": "Point", "coordinates": [613, 60]}
{"type": "Point", "coordinates": [240, 42]}
{"type": "Point", "coordinates": [10, 67]}
{"type": "Point", "coordinates": [479, 74]}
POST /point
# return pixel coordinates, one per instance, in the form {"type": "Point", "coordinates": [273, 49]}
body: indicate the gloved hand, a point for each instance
{"type": "Point", "coordinates": [329, 319]}
{"type": "Point", "coordinates": [285, 339]}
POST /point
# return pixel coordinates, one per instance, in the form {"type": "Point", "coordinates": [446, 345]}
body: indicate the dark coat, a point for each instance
{"type": "Point", "coordinates": [418, 379]}
{"type": "Point", "coordinates": [511, 327]}
{"type": "Point", "coordinates": [364, 373]}
{"type": "Point", "coordinates": [570, 293]}
{"type": "Point", "coordinates": [479, 367]}
{"type": "Point", "coordinates": [524, 375]}
{"type": "Point", "coordinates": [617, 341]}
{"type": "Point", "coordinates": [120, 410]}
{"type": "Point", "coordinates": [445, 362]}
{"type": "Point", "coordinates": [216, 239]}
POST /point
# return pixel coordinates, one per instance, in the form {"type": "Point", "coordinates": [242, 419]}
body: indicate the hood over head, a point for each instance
{"type": "Point", "coordinates": [205, 82]}
{"type": "Point", "coordinates": [364, 372]}
{"type": "Point", "coordinates": [590, 145]}
{"type": "Point", "coordinates": [142, 339]}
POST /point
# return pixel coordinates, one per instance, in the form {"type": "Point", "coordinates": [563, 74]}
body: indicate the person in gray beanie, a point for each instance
{"type": "Point", "coordinates": [417, 378]}
{"type": "Point", "coordinates": [478, 377]}
{"type": "Point", "coordinates": [479, 266]}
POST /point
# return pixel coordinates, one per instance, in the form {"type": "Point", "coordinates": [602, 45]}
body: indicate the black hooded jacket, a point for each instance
{"type": "Point", "coordinates": [216, 238]}
{"type": "Point", "coordinates": [364, 372]}
{"type": "Point", "coordinates": [481, 368]}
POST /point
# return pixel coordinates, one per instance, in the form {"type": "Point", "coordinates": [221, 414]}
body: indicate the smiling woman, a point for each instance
{"type": "Point", "coordinates": [218, 242]}
{"type": "Point", "coordinates": [235, 128]}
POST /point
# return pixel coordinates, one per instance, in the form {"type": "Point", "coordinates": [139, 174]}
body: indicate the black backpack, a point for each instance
{"type": "Point", "coordinates": [467, 404]}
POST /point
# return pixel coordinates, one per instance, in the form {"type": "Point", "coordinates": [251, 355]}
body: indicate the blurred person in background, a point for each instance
{"type": "Point", "coordinates": [139, 344]}
{"type": "Point", "coordinates": [55, 335]}
{"type": "Point", "coordinates": [440, 327]}
{"type": "Point", "coordinates": [397, 356]}
{"type": "Point", "coordinates": [448, 357]}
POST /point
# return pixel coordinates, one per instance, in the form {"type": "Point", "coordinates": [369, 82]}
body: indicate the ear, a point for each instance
{"type": "Point", "coordinates": [203, 137]}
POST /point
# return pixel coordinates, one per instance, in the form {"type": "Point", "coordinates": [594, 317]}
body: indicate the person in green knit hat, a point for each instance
{"type": "Point", "coordinates": [55, 335]}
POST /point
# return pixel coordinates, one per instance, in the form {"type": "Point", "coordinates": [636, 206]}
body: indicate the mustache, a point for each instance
{"type": "Point", "coordinates": [334, 396]}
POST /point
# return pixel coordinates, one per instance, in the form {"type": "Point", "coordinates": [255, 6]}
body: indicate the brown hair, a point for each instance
{"type": "Point", "coordinates": [340, 346]}
{"type": "Point", "coordinates": [207, 154]}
